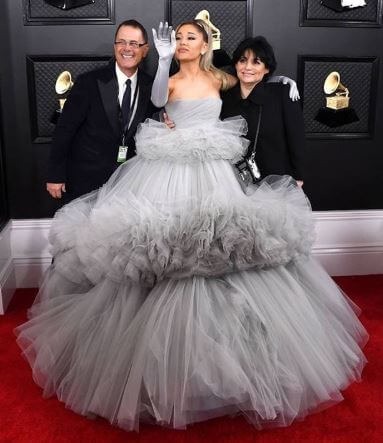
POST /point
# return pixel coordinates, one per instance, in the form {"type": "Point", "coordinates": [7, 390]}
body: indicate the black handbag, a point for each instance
{"type": "Point", "coordinates": [247, 169]}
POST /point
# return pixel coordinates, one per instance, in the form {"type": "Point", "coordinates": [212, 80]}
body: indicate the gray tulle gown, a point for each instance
{"type": "Point", "coordinates": [174, 297]}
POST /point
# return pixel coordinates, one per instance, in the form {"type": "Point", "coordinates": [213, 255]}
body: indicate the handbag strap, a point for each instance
{"type": "Point", "coordinates": [252, 155]}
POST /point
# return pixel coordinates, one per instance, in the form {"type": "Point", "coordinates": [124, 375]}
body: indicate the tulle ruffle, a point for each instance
{"type": "Point", "coordinates": [207, 141]}
{"type": "Point", "coordinates": [134, 239]}
{"type": "Point", "coordinates": [272, 344]}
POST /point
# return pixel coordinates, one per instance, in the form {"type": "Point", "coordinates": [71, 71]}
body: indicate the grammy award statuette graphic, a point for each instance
{"type": "Point", "coordinates": [63, 85]}
{"type": "Point", "coordinates": [343, 5]}
{"type": "Point", "coordinates": [68, 4]}
{"type": "Point", "coordinates": [220, 56]}
{"type": "Point", "coordinates": [337, 111]}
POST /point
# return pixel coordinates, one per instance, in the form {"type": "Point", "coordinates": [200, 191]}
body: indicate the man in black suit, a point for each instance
{"type": "Point", "coordinates": [100, 117]}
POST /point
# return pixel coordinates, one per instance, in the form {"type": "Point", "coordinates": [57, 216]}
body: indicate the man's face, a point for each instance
{"type": "Point", "coordinates": [128, 57]}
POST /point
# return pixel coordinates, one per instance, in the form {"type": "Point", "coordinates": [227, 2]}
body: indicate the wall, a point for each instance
{"type": "Point", "coordinates": [347, 243]}
{"type": "Point", "coordinates": [4, 51]}
{"type": "Point", "coordinates": [342, 175]}
{"type": "Point", "coordinates": [3, 190]}
{"type": "Point", "coordinates": [7, 268]}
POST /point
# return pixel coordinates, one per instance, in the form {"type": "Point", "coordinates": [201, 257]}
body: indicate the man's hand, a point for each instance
{"type": "Point", "coordinates": [56, 189]}
{"type": "Point", "coordinates": [293, 93]}
{"type": "Point", "coordinates": [165, 41]}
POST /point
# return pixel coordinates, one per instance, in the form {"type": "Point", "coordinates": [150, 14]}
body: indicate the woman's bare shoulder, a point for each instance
{"type": "Point", "coordinates": [172, 82]}
{"type": "Point", "coordinates": [215, 78]}
{"type": "Point", "coordinates": [231, 80]}
{"type": "Point", "coordinates": [225, 80]}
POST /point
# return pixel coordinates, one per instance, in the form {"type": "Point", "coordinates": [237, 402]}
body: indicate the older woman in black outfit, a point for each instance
{"type": "Point", "coordinates": [280, 146]}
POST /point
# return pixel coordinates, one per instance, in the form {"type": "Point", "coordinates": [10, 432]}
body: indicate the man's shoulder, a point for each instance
{"type": "Point", "coordinates": [98, 73]}
{"type": "Point", "coordinates": [144, 76]}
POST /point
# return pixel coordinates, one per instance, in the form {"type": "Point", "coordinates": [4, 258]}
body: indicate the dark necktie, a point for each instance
{"type": "Point", "coordinates": [125, 105]}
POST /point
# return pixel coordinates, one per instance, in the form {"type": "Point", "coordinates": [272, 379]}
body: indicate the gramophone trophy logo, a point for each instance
{"type": "Point", "coordinates": [337, 111]}
{"type": "Point", "coordinates": [343, 5]}
{"type": "Point", "coordinates": [63, 85]}
{"type": "Point", "coordinates": [68, 4]}
{"type": "Point", "coordinates": [220, 56]}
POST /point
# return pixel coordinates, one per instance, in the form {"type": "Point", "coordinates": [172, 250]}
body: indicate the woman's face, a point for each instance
{"type": "Point", "coordinates": [190, 43]}
{"type": "Point", "coordinates": [250, 69]}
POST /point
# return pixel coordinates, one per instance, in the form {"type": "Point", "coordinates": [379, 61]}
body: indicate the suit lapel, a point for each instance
{"type": "Point", "coordinates": [108, 88]}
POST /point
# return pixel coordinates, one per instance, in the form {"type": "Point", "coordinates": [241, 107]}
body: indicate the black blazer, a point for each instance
{"type": "Point", "coordinates": [89, 131]}
{"type": "Point", "coordinates": [281, 143]}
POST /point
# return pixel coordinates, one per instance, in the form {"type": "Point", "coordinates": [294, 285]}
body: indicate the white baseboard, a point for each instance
{"type": "Point", "coordinates": [348, 243]}
{"type": "Point", "coordinates": [29, 271]}
{"type": "Point", "coordinates": [7, 274]}
{"type": "Point", "coordinates": [30, 250]}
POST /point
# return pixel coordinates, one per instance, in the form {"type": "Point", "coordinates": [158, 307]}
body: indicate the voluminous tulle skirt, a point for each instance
{"type": "Point", "coordinates": [174, 298]}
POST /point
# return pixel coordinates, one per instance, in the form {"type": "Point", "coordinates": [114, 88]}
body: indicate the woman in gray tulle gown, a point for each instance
{"type": "Point", "coordinates": [174, 297]}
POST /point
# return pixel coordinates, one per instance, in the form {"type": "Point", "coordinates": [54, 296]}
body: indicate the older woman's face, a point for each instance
{"type": "Point", "coordinates": [250, 69]}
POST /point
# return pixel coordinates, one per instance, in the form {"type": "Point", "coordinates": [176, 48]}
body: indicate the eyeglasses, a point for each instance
{"type": "Point", "coordinates": [132, 43]}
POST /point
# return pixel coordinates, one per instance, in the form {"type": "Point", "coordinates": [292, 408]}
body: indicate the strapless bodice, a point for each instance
{"type": "Point", "coordinates": [192, 112]}
{"type": "Point", "coordinates": [199, 134]}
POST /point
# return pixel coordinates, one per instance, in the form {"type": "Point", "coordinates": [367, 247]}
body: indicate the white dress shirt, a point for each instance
{"type": "Point", "coordinates": [121, 79]}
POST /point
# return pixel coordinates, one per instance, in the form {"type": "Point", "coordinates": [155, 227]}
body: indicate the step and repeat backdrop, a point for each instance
{"type": "Point", "coordinates": [326, 45]}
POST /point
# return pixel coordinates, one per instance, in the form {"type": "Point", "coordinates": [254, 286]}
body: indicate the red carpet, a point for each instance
{"type": "Point", "coordinates": [26, 417]}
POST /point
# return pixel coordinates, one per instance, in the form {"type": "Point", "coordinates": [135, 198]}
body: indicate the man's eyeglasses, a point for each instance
{"type": "Point", "coordinates": [131, 43]}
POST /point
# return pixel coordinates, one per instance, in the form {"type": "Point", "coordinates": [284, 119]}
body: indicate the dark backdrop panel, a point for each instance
{"type": "Point", "coordinates": [315, 13]}
{"type": "Point", "coordinates": [230, 17]}
{"type": "Point", "coordinates": [3, 199]}
{"type": "Point", "coordinates": [341, 174]}
{"type": "Point", "coordinates": [4, 50]}
{"type": "Point", "coordinates": [43, 100]}
{"type": "Point", "coordinates": [359, 75]}
{"type": "Point", "coordinates": [39, 12]}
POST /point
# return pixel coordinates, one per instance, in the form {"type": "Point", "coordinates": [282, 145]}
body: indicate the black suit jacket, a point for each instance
{"type": "Point", "coordinates": [281, 143]}
{"type": "Point", "coordinates": [89, 131]}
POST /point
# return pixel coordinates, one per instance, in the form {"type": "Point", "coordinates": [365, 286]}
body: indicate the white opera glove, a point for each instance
{"type": "Point", "coordinates": [293, 93]}
{"type": "Point", "coordinates": [165, 43]}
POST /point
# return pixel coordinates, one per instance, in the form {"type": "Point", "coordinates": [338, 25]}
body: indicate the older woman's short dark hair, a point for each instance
{"type": "Point", "coordinates": [261, 48]}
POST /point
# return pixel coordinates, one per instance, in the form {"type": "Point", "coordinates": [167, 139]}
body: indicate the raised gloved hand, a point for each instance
{"type": "Point", "coordinates": [293, 93]}
{"type": "Point", "coordinates": [165, 43]}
